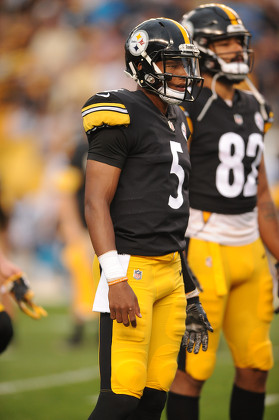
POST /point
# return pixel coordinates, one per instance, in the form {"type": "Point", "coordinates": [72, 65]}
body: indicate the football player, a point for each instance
{"type": "Point", "coordinates": [136, 199]}
{"type": "Point", "coordinates": [77, 253]}
{"type": "Point", "coordinates": [232, 215]}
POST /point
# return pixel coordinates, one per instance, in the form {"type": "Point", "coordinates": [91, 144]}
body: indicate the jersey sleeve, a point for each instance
{"type": "Point", "coordinates": [105, 118]}
{"type": "Point", "coordinates": [108, 145]}
{"type": "Point", "coordinates": [104, 110]}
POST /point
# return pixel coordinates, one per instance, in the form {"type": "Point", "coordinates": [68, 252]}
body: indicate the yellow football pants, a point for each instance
{"type": "Point", "coordinates": [83, 287]}
{"type": "Point", "coordinates": [146, 356]}
{"type": "Point", "coordinates": [238, 299]}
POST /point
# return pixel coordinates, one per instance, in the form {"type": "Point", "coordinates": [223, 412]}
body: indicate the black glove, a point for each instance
{"type": "Point", "coordinates": [277, 279]}
{"type": "Point", "coordinates": [197, 327]}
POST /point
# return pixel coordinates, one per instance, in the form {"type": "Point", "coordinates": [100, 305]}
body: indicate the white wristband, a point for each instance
{"type": "Point", "coordinates": [194, 293]}
{"type": "Point", "coordinates": [111, 266]}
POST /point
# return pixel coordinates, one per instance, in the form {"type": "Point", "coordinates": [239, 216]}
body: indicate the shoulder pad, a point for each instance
{"type": "Point", "coordinates": [265, 109]}
{"type": "Point", "coordinates": [104, 109]}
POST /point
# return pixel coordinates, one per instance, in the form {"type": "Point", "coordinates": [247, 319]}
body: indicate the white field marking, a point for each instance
{"type": "Point", "coordinates": [49, 381]}
{"type": "Point", "coordinates": [272, 399]}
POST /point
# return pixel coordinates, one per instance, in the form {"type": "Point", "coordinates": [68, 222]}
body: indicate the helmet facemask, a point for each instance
{"type": "Point", "coordinates": [233, 71]}
{"type": "Point", "coordinates": [209, 23]}
{"type": "Point", "coordinates": [156, 54]}
{"type": "Point", "coordinates": [176, 87]}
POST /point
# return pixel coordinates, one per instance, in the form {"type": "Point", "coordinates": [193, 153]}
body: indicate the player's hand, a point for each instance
{"type": "Point", "coordinates": [20, 290]}
{"type": "Point", "coordinates": [123, 304]}
{"type": "Point", "coordinates": [277, 279]}
{"type": "Point", "coordinates": [197, 327]}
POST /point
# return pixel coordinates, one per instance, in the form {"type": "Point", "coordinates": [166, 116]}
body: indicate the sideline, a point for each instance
{"type": "Point", "coordinates": [49, 381]}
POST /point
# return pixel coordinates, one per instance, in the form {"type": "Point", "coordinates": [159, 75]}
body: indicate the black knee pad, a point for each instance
{"type": "Point", "coordinates": [150, 406]}
{"type": "Point", "coordinates": [6, 330]}
{"type": "Point", "coordinates": [119, 404]}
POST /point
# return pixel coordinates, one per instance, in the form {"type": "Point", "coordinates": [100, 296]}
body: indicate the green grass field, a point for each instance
{"type": "Point", "coordinates": [42, 378]}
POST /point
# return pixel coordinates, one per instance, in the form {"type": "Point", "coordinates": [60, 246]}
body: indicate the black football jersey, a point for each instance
{"type": "Point", "coordinates": [225, 151]}
{"type": "Point", "coordinates": [150, 208]}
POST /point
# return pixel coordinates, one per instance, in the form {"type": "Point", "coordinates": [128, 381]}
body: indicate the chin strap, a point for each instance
{"type": "Point", "coordinates": [259, 98]}
{"type": "Point", "coordinates": [212, 98]}
{"type": "Point", "coordinates": [171, 100]}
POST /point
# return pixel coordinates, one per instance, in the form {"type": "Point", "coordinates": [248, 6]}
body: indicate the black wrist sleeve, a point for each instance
{"type": "Point", "coordinates": [189, 285]}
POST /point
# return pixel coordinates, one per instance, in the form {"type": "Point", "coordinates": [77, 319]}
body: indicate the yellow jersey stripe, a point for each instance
{"type": "Point", "coordinates": [105, 107]}
{"type": "Point", "coordinates": [118, 105]}
{"type": "Point", "coordinates": [104, 116]}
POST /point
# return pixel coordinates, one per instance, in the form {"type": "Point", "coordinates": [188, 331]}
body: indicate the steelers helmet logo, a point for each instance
{"type": "Point", "coordinates": [138, 42]}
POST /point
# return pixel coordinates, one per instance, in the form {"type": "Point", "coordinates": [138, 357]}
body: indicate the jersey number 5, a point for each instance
{"type": "Point", "coordinates": [230, 175]}
{"type": "Point", "coordinates": [176, 202]}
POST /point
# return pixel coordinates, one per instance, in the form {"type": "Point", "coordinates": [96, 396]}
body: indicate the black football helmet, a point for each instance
{"type": "Point", "coordinates": [157, 40]}
{"type": "Point", "coordinates": [213, 22]}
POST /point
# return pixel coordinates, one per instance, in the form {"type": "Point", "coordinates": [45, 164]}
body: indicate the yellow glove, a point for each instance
{"type": "Point", "coordinates": [20, 290]}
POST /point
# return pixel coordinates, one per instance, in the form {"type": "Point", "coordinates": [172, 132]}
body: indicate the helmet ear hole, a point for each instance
{"type": "Point", "coordinates": [209, 64]}
{"type": "Point", "coordinates": [149, 78]}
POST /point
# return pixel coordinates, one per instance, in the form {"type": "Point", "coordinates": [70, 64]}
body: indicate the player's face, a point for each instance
{"type": "Point", "coordinates": [229, 49]}
{"type": "Point", "coordinates": [175, 67]}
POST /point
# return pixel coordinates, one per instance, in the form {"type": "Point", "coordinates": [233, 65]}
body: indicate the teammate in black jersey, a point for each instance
{"type": "Point", "coordinates": [231, 215]}
{"type": "Point", "coordinates": [136, 206]}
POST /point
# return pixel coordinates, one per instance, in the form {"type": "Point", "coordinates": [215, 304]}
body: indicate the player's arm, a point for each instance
{"type": "Point", "coordinates": [268, 220]}
{"type": "Point", "coordinates": [267, 215]}
{"type": "Point", "coordinates": [101, 181]}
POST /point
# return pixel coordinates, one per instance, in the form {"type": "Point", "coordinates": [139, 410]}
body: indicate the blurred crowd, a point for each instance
{"type": "Point", "coordinates": [54, 55]}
